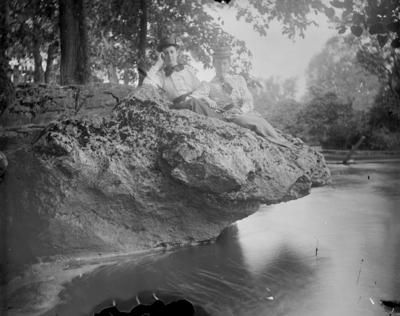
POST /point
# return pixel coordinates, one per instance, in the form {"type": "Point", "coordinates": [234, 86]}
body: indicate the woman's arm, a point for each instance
{"type": "Point", "coordinates": [202, 93]}
{"type": "Point", "coordinates": [247, 97]}
{"type": "Point", "coordinates": [154, 77]}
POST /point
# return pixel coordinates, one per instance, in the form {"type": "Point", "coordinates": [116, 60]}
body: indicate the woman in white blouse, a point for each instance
{"type": "Point", "coordinates": [233, 100]}
{"type": "Point", "coordinates": [177, 80]}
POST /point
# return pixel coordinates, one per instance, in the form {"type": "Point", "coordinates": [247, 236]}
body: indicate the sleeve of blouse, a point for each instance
{"type": "Point", "coordinates": [202, 91]}
{"type": "Point", "coordinates": [195, 80]}
{"type": "Point", "coordinates": [247, 97]}
{"type": "Point", "coordinates": [154, 77]}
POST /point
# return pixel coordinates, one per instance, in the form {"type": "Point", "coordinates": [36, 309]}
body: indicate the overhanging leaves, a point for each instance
{"type": "Point", "coordinates": [329, 12]}
{"type": "Point", "coordinates": [382, 40]}
{"type": "Point", "coordinates": [358, 18]}
{"type": "Point", "coordinates": [393, 26]}
{"type": "Point", "coordinates": [395, 43]}
{"type": "Point", "coordinates": [377, 28]}
{"type": "Point", "coordinates": [337, 4]}
{"type": "Point", "coordinates": [356, 30]}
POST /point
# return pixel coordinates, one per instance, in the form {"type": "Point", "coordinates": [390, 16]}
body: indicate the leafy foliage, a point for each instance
{"type": "Point", "coordinates": [271, 91]}
{"type": "Point", "coordinates": [331, 122]}
{"type": "Point", "coordinates": [384, 122]}
{"type": "Point", "coordinates": [284, 116]}
{"type": "Point", "coordinates": [381, 61]}
{"type": "Point", "coordinates": [381, 18]}
{"type": "Point", "coordinates": [115, 38]}
{"type": "Point", "coordinates": [292, 14]}
{"type": "Point", "coordinates": [275, 100]}
{"type": "Point", "coordinates": [113, 28]}
{"type": "Point", "coordinates": [30, 29]}
{"type": "Point", "coordinates": [336, 69]}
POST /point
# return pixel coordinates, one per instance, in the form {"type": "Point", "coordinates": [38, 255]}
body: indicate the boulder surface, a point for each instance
{"type": "Point", "coordinates": [134, 175]}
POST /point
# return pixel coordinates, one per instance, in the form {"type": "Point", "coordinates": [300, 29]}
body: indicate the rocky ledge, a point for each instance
{"type": "Point", "coordinates": [128, 174]}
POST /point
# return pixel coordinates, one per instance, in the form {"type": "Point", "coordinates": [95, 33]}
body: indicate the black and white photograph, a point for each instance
{"type": "Point", "coordinates": [199, 157]}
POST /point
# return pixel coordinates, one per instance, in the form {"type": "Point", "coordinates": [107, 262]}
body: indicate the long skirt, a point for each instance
{"type": "Point", "coordinates": [260, 126]}
{"type": "Point", "coordinates": [196, 106]}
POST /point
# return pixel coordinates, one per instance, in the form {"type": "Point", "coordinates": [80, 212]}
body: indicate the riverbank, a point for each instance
{"type": "Point", "coordinates": [364, 156]}
{"type": "Point", "coordinates": [35, 290]}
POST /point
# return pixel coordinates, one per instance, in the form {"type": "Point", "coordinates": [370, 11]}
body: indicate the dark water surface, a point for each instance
{"type": "Point", "coordinates": [266, 264]}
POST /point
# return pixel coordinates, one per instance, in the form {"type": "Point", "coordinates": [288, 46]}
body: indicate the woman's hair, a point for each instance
{"type": "Point", "coordinates": [229, 58]}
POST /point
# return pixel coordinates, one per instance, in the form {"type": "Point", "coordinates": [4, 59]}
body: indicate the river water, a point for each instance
{"type": "Point", "coordinates": [334, 252]}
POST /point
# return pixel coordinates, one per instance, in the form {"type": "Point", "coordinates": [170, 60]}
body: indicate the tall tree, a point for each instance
{"type": "Point", "coordinates": [384, 62]}
{"type": "Point", "coordinates": [75, 67]}
{"type": "Point", "coordinates": [142, 37]}
{"type": "Point", "coordinates": [31, 29]}
{"type": "Point", "coordinates": [379, 21]}
{"type": "Point", "coordinates": [4, 28]}
{"type": "Point", "coordinates": [336, 69]}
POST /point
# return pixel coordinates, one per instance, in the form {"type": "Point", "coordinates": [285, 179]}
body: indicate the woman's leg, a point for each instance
{"type": "Point", "coordinates": [196, 106]}
{"type": "Point", "coordinates": [260, 126]}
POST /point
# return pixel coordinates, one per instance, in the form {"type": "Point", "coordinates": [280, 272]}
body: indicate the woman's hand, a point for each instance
{"type": "Point", "coordinates": [211, 103]}
{"type": "Point", "coordinates": [160, 60]}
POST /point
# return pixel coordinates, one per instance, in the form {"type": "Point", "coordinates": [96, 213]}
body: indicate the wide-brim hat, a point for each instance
{"type": "Point", "coordinates": [167, 41]}
{"type": "Point", "coordinates": [222, 52]}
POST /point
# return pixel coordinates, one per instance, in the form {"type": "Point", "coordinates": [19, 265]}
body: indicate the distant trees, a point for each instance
{"type": "Point", "coordinates": [331, 121]}
{"type": "Point", "coordinates": [28, 29]}
{"type": "Point", "coordinates": [347, 97]}
{"type": "Point", "coordinates": [272, 90]}
{"type": "Point", "coordinates": [377, 24]}
{"type": "Point", "coordinates": [336, 69]}
{"type": "Point", "coordinates": [285, 116]}
{"type": "Point", "coordinates": [275, 98]}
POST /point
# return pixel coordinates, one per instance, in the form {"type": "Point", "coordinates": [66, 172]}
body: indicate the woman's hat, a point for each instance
{"type": "Point", "coordinates": [222, 52]}
{"type": "Point", "coordinates": [167, 41]}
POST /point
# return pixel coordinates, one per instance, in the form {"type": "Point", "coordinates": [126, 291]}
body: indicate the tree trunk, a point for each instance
{"type": "Point", "coordinates": [126, 76]}
{"type": "Point", "coordinates": [4, 22]}
{"type": "Point", "coordinates": [111, 69]}
{"type": "Point", "coordinates": [38, 75]}
{"type": "Point", "coordinates": [49, 63]}
{"type": "Point", "coordinates": [142, 37]}
{"type": "Point", "coordinates": [36, 45]}
{"type": "Point", "coordinates": [112, 74]}
{"type": "Point", "coordinates": [75, 66]}
{"type": "Point", "coordinates": [16, 75]}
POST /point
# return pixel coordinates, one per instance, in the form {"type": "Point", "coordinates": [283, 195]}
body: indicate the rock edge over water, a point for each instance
{"type": "Point", "coordinates": [104, 181]}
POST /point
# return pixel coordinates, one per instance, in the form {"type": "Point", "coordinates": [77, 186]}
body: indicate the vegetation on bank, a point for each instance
{"type": "Point", "coordinates": [351, 92]}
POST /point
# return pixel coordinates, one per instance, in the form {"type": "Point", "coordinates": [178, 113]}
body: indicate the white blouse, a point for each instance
{"type": "Point", "coordinates": [177, 84]}
{"type": "Point", "coordinates": [215, 91]}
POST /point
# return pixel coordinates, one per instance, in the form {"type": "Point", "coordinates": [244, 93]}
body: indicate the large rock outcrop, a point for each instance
{"type": "Point", "coordinates": [136, 177]}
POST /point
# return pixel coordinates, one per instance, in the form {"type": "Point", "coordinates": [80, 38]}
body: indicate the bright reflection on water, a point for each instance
{"type": "Point", "coordinates": [266, 264]}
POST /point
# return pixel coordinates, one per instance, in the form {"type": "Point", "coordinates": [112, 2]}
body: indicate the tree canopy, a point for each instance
{"type": "Point", "coordinates": [123, 33]}
{"type": "Point", "coordinates": [336, 69]}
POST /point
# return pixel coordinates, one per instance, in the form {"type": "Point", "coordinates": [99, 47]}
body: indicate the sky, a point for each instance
{"type": "Point", "coordinates": [275, 54]}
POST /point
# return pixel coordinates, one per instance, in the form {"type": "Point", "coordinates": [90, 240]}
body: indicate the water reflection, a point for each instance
{"type": "Point", "coordinates": [267, 264]}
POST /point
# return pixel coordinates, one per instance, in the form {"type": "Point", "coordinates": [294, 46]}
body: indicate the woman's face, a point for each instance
{"type": "Point", "coordinates": [221, 66]}
{"type": "Point", "coordinates": [170, 55]}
